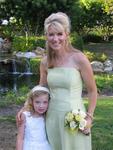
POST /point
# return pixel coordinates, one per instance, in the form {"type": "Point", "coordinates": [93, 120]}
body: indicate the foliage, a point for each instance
{"type": "Point", "coordinates": [98, 15]}
{"type": "Point", "coordinates": [35, 65]}
{"type": "Point", "coordinates": [40, 41]}
{"type": "Point", "coordinates": [11, 97]}
{"type": "Point", "coordinates": [85, 15]}
{"type": "Point", "coordinates": [104, 83]}
{"type": "Point", "coordinates": [76, 41]}
{"type": "Point", "coordinates": [95, 56]}
{"type": "Point", "coordinates": [90, 55]}
{"type": "Point", "coordinates": [93, 36]}
{"type": "Point", "coordinates": [23, 44]}
{"type": "Point", "coordinates": [32, 19]}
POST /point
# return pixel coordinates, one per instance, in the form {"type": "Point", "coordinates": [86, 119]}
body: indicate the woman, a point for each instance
{"type": "Point", "coordinates": [63, 71]}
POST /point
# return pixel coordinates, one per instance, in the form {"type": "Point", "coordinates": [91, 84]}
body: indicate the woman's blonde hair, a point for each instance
{"type": "Point", "coordinates": [60, 22]}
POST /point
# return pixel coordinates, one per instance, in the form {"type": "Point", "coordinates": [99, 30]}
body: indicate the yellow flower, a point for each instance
{"type": "Point", "coordinates": [69, 117]}
{"type": "Point", "coordinates": [78, 117]}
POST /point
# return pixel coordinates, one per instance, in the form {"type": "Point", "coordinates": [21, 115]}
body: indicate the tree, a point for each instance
{"type": "Point", "coordinates": [32, 13]}
{"type": "Point", "coordinates": [98, 15]}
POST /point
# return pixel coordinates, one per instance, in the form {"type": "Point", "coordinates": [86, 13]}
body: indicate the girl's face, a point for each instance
{"type": "Point", "coordinates": [40, 104]}
{"type": "Point", "coordinates": [56, 39]}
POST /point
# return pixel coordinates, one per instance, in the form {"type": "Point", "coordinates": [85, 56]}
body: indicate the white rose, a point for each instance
{"type": "Point", "coordinates": [73, 125]}
{"type": "Point", "coordinates": [82, 124]}
{"type": "Point", "coordinates": [82, 114]}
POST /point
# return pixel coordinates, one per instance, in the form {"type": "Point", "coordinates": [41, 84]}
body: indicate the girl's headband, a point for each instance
{"type": "Point", "coordinates": [40, 88]}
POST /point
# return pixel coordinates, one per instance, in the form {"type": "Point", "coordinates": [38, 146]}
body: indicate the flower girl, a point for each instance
{"type": "Point", "coordinates": [31, 133]}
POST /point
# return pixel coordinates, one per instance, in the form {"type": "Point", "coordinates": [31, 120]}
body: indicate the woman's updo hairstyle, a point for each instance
{"type": "Point", "coordinates": [60, 21]}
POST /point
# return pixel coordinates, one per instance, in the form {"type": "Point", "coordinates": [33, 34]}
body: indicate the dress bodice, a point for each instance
{"type": "Point", "coordinates": [65, 87]}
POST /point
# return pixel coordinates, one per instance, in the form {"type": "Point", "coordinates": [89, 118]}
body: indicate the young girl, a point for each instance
{"type": "Point", "coordinates": [31, 132]}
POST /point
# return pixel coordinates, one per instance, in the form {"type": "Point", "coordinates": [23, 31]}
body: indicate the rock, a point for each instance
{"type": "Point", "coordinates": [40, 51]}
{"type": "Point", "coordinates": [108, 66]}
{"type": "Point", "coordinates": [6, 45]}
{"type": "Point", "coordinates": [97, 66]}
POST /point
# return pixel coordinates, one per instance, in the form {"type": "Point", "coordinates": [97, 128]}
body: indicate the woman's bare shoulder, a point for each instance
{"type": "Point", "coordinates": [79, 56]}
{"type": "Point", "coordinates": [44, 61]}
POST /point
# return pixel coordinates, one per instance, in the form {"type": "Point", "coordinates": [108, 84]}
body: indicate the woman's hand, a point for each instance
{"type": "Point", "coordinates": [87, 129]}
{"type": "Point", "coordinates": [19, 119]}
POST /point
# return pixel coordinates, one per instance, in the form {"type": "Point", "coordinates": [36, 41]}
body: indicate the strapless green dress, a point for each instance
{"type": "Point", "coordinates": [65, 94]}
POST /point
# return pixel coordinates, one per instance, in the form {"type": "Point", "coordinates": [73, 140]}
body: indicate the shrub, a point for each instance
{"type": "Point", "coordinates": [90, 55]}
{"type": "Point", "coordinates": [40, 41]}
{"type": "Point", "coordinates": [92, 38]}
{"type": "Point", "coordinates": [95, 56]}
{"type": "Point", "coordinates": [35, 65]}
{"type": "Point", "coordinates": [76, 41]}
{"type": "Point", "coordinates": [21, 43]}
{"type": "Point", "coordinates": [104, 82]}
{"type": "Point", "coordinates": [101, 57]}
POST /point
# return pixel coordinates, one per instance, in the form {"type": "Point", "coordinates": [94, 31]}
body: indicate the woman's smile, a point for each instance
{"type": "Point", "coordinates": [56, 39]}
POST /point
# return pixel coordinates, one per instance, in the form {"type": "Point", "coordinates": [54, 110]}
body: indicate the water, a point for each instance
{"type": "Point", "coordinates": [15, 72]}
{"type": "Point", "coordinates": [16, 81]}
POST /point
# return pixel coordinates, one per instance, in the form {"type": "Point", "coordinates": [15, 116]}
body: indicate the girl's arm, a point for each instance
{"type": "Point", "coordinates": [20, 135]}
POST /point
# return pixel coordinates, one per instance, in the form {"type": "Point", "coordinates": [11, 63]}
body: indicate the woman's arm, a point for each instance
{"type": "Point", "coordinates": [43, 72]}
{"type": "Point", "coordinates": [20, 135]}
{"type": "Point", "coordinates": [88, 78]}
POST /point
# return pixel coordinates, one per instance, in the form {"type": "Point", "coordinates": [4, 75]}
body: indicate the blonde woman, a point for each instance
{"type": "Point", "coordinates": [63, 71]}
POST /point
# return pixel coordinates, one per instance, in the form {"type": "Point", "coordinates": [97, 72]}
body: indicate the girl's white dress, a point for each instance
{"type": "Point", "coordinates": [35, 134]}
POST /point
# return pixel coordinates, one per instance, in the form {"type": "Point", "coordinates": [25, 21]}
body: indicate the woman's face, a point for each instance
{"type": "Point", "coordinates": [56, 39]}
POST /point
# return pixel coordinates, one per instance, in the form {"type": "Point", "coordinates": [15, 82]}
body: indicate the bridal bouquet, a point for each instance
{"type": "Point", "coordinates": [75, 120]}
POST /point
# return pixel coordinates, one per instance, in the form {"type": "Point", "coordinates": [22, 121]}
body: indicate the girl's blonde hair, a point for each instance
{"type": "Point", "coordinates": [60, 22]}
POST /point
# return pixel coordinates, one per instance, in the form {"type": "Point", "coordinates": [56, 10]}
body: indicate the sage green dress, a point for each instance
{"type": "Point", "coordinates": [66, 89]}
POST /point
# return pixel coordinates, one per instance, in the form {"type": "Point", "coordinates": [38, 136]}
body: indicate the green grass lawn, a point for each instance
{"type": "Point", "coordinates": [102, 130]}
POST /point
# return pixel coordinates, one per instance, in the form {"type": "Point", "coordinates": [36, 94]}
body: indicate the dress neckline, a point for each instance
{"type": "Point", "coordinates": [65, 68]}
